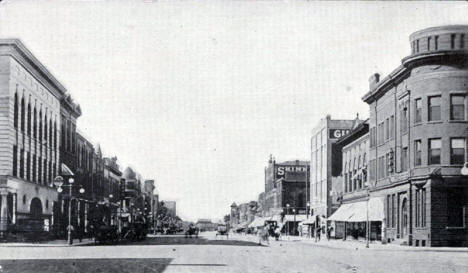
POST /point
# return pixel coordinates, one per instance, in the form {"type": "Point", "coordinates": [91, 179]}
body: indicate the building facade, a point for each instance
{"type": "Point", "coordinates": [286, 183]}
{"type": "Point", "coordinates": [352, 189]}
{"type": "Point", "coordinates": [418, 132]}
{"type": "Point", "coordinates": [325, 164]}
{"type": "Point", "coordinates": [30, 106]}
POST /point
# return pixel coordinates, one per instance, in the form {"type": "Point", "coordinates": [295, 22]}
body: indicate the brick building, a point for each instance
{"type": "Point", "coordinates": [285, 183]}
{"type": "Point", "coordinates": [350, 219]}
{"type": "Point", "coordinates": [325, 165]}
{"type": "Point", "coordinates": [418, 130]}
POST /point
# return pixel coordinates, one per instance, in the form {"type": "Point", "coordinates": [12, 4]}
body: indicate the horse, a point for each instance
{"type": "Point", "coordinates": [191, 231]}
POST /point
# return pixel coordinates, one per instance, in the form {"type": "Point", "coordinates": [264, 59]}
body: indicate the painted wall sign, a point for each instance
{"type": "Point", "coordinates": [282, 170]}
{"type": "Point", "coordinates": [337, 133]}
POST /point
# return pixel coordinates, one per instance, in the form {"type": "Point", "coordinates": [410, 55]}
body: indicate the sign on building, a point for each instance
{"type": "Point", "coordinates": [337, 133]}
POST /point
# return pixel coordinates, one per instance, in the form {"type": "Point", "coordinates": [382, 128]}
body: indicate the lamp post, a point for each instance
{"type": "Point", "coordinates": [58, 181]}
{"type": "Point", "coordinates": [367, 219]}
{"type": "Point", "coordinates": [294, 230]}
{"type": "Point", "coordinates": [110, 207]}
{"type": "Point", "coordinates": [287, 224]}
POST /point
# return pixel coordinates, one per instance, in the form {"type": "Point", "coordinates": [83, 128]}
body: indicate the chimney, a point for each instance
{"type": "Point", "coordinates": [373, 81]}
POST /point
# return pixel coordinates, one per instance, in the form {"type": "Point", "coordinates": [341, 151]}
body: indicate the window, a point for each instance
{"type": "Point", "coordinates": [434, 108]}
{"type": "Point", "coordinates": [22, 115]}
{"type": "Point", "coordinates": [457, 151]}
{"type": "Point", "coordinates": [28, 166]}
{"type": "Point", "coordinates": [428, 43]}
{"type": "Point", "coordinates": [392, 126]}
{"type": "Point", "coordinates": [34, 169]}
{"type": "Point", "coordinates": [387, 164]}
{"type": "Point", "coordinates": [21, 174]}
{"type": "Point", "coordinates": [39, 171]}
{"type": "Point", "coordinates": [434, 151]}
{"type": "Point", "coordinates": [40, 126]}
{"type": "Point", "coordinates": [51, 136]}
{"type": "Point", "coordinates": [418, 111]}
{"type": "Point", "coordinates": [462, 40]}
{"type": "Point", "coordinates": [35, 123]}
{"type": "Point", "coordinates": [417, 45]}
{"type": "Point", "coordinates": [452, 41]}
{"type": "Point", "coordinates": [15, 117]}
{"type": "Point", "coordinates": [28, 130]}
{"type": "Point", "coordinates": [455, 202]}
{"type": "Point", "coordinates": [404, 159]}
{"type": "Point", "coordinates": [15, 160]}
{"type": "Point", "coordinates": [387, 129]}
{"type": "Point", "coordinates": [457, 107]}
{"type": "Point", "coordinates": [436, 42]}
{"type": "Point", "coordinates": [45, 129]}
{"type": "Point", "coordinates": [404, 119]}
{"type": "Point", "coordinates": [417, 153]}
{"type": "Point", "coordinates": [55, 135]}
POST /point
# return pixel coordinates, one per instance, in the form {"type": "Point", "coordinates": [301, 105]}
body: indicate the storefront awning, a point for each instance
{"type": "Point", "coordinates": [64, 170]}
{"type": "Point", "coordinates": [258, 222]}
{"type": "Point", "coordinates": [309, 221]}
{"type": "Point", "coordinates": [276, 218]}
{"type": "Point", "coordinates": [292, 218]}
{"type": "Point", "coordinates": [362, 211]}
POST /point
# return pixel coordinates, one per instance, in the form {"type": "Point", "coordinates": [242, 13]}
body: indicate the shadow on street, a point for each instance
{"type": "Point", "coordinates": [181, 240]}
{"type": "Point", "coordinates": [130, 265]}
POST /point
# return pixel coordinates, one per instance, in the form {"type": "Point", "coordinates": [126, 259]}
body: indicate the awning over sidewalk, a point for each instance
{"type": "Point", "coordinates": [297, 218]}
{"type": "Point", "coordinates": [310, 221]}
{"type": "Point", "coordinates": [65, 170]}
{"type": "Point", "coordinates": [258, 222]}
{"type": "Point", "coordinates": [362, 211]}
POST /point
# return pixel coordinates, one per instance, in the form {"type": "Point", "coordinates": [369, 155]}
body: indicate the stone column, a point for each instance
{"type": "Point", "coordinates": [3, 212]}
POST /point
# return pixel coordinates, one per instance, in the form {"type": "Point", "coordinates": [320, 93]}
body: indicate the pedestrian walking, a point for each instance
{"type": "Point", "coordinates": [317, 234]}
{"type": "Point", "coordinates": [329, 230]}
{"type": "Point", "coordinates": [71, 230]}
{"type": "Point", "coordinates": [263, 236]}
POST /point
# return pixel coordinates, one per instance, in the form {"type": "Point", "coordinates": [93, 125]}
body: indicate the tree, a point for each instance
{"type": "Point", "coordinates": [227, 218]}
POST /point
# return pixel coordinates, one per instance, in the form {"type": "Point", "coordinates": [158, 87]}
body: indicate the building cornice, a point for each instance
{"type": "Point", "coordinates": [16, 49]}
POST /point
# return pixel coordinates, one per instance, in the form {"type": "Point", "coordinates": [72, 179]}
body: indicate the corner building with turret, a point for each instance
{"type": "Point", "coordinates": [418, 128]}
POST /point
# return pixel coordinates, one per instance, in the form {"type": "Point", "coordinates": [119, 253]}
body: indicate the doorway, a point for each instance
{"type": "Point", "coordinates": [404, 218]}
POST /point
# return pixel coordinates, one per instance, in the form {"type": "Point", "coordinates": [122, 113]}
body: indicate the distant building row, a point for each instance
{"type": "Point", "coordinates": [39, 141]}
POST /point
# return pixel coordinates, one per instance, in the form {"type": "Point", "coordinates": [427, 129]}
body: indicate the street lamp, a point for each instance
{"type": "Point", "coordinates": [287, 224]}
{"type": "Point", "coordinates": [367, 217]}
{"type": "Point", "coordinates": [58, 181]}
{"type": "Point", "coordinates": [294, 231]}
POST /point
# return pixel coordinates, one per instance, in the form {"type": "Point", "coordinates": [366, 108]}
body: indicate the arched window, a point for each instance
{"type": "Point", "coordinates": [45, 128]}
{"type": "Point", "coordinates": [51, 136]}
{"type": "Point", "coordinates": [15, 117]}
{"type": "Point", "coordinates": [22, 114]}
{"type": "Point", "coordinates": [55, 134]}
{"type": "Point", "coordinates": [34, 122]}
{"type": "Point", "coordinates": [40, 125]}
{"type": "Point", "coordinates": [28, 130]}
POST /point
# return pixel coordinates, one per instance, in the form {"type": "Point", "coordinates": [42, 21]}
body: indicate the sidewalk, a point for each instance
{"type": "Point", "coordinates": [352, 244]}
{"type": "Point", "coordinates": [54, 243]}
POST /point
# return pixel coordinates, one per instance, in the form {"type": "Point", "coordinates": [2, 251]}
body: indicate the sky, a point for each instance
{"type": "Point", "coordinates": [198, 94]}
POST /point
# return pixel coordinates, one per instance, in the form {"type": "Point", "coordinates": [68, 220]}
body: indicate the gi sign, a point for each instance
{"type": "Point", "coordinates": [337, 133]}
